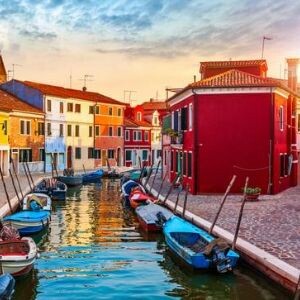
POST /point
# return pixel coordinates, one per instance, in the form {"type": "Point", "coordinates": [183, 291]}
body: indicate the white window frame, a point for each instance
{"type": "Point", "coordinates": [281, 117]}
{"type": "Point", "coordinates": [127, 135]}
{"type": "Point", "coordinates": [190, 116]}
{"type": "Point", "coordinates": [25, 127]}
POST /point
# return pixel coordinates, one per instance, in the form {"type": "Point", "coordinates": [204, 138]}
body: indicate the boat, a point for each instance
{"type": "Point", "coordinates": [17, 256]}
{"type": "Point", "coordinates": [152, 216]}
{"type": "Point", "coordinates": [127, 187]}
{"type": "Point", "coordinates": [29, 222]}
{"type": "Point", "coordinates": [37, 201]}
{"type": "Point", "coordinates": [197, 248]}
{"type": "Point", "coordinates": [7, 286]}
{"type": "Point", "coordinates": [57, 190]}
{"type": "Point", "coordinates": [138, 197]}
{"type": "Point", "coordinates": [94, 176]}
{"type": "Point", "coordinates": [73, 180]}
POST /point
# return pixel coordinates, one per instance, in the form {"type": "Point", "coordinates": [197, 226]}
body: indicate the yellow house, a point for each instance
{"type": "Point", "coordinates": [4, 144]}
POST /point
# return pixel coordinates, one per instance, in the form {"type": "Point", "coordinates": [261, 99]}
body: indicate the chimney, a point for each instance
{"type": "Point", "coordinates": [292, 73]}
{"type": "Point", "coordinates": [151, 100]}
{"type": "Point", "coordinates": [84, 88]}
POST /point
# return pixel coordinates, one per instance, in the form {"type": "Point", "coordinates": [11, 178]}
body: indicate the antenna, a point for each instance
{"type": "Point", "coordinates": [129, 93]}
{"type": "Point", "coordinates": [13, 69]}
{"type": "Point", "coordinates": [85, 79]}
{"type": "Point", "coordinates": [70, 77]}
{"type": "Point", "coordinates": [263, 45]}
{"type": "Point", "coordinates": [8, 74]}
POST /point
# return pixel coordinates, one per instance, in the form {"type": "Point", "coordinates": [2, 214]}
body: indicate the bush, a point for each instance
{"type": "Point", "coordinates": [252, 190]}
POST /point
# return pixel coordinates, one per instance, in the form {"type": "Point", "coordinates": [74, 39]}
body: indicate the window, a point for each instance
{"type": "Point", "coordinates": [184, 163]}
{"type": "Point", "coordinates": [189, 170]}
{"type": "Point", "coordinates": [285, 164]}
{"type": "Point", "coordinates": [110, 111]}
{"type": "Point", "coordinates": [155, 120]}
{"type": "Point", "coordinates": [176, 161]}
{"type": "Point", "coordinates": [146, 136]}
{"type": "Point", "coordinates": [61, 129]}
{"type": "Point", "coordinates": [49, 105]}
{"type": "Point", "coordinates": [97, 130]}
{"type": "Point", "coordinates": [91, 110]}
{"type": "Point", "coordinates": [175, 120]}
{"type": "Point", "coordinates": [190, 116]}
{"type": "Point", "coordinates": [77, 130]}
{"type": "Point", "coordinates": [90, 152]}
{"type": "Point", "coordinates": [119, 131]}
{"type": "Point", "coordinates": [78, 153]}
{"type": "Point", "coordinates": [111, 153]}
{"type": "Point", "coordinates": [183, 118]}
{"type": "Point", "coordinates": [41, 154]}
{"type": "Point", "coordinates": [41, 128]}
{"type": "Point", "coordinates": [69, 130]}
{"type": "Point", "coordinates": [137, 135]}
{"type": "Point", "coordinates": [61, 107]}
{"type": "Point", "coordinates": [97, 110]}
{"type": "Point", "coordinates": [49, 132]}
{"type": "Point", "coordinates": [25, 155]}
{"type": "Point", "coordinates": [127, 136]}
{"type": "Point", "coordinates": [25, 127]}
{"type": "Point", "coordinates": [139, 116]}
{"type": "Point", "coordinates": [90, 131]}
{"type": "Point", "coordinates": [128, 154]}
{"type": "Point", "coordinates": [281, 118]}
{"type": "Point", "coordinates": [97, 154]}
{"type": "Point", "coordinates": [70, 107]}
{"type": "Point", "coordinates": [119, 112]}
{"type": "Point", "coordinates": [4, 127]}
{"type": "Point", "coordinates": [77, 108]}
{"type": "Point", "coordinates": [145, 155]}
{"type": "Point", "coordinates": [172, 160]}
{"type": "Point", "coordinates": [110, 131]}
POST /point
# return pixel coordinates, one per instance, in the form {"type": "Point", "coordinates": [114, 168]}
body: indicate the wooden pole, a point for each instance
{"type": "Point", "coordinates": [297, 291]}
{"type": "Point", "coordinates": [170, 189]}
{"type": "Point", "coordinates": [240, 215]}
{"type": "Point", "coordinates": [156, 171]}
{"type": "Point", "coordinates": [149, 174]}
{"type": "Point", "coordinates": [29, 173]}
{"type": "Point", "coordinates": [161, 185]}
{"type": "Point", "coordinates": [5, 190]}
{"type": "Point", "coordinates": [177, 200]}
{"type": "Point", "coordinates": [140, 162]}
{"type": "Point", "coordinates": [84, 168]}
{"type": "Point", "coordinates": [185, 200]}
{"type": "Point", "coordinates": [13, 183]}
{"type": "Point", "coordinates": [108, 164]}
{"type": "Point", "coordinates": [141, 174]}
{"type": "Point", "coordinates": [15, 172]}
{"type": "Point", "coordinates": [222, 203]}
{"type": "Point", "coordinates": [53, 166]}
{"type": "Point", "coordinates": [25, 171]}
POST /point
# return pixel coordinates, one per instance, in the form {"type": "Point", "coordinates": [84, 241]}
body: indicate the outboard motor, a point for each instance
{"type": "Point", "coordinates": [161, 219]}
{"type": "Point", "coordinates": [220, 260]}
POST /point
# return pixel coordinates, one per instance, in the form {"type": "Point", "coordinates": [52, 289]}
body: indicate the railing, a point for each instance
{"type": "Point", "coordinates": [177, 139]}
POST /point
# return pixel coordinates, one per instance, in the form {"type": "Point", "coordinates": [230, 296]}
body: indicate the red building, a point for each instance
{"type": "Point", "coordinates": [137, 138]}
{"type": "Point", "coordinates": [235, 120]}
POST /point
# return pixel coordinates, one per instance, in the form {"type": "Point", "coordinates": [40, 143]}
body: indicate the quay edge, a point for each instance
{"type": "Point", "coordinates": [272, 267]}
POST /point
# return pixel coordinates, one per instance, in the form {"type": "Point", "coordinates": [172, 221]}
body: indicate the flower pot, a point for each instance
{"type": "Point", "coordinates": [252, 197]}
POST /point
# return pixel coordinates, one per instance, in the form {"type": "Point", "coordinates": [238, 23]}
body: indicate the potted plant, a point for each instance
{"type": "Point", "coordinates": [252, 193]}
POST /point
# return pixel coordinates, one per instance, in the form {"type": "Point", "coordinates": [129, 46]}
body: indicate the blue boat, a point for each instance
{"type": "Point", "coordinates": [74, 180]}
{"type": "Point", "coordinates": [94, 176]}
{"type": "Point", "coordinates": [197, 248]}
{"type": "Point", "coordinates": [7, 286]}
{"type": "Point", "coordinates": [29, 222]}
{"type": "Point", "coordinates": [57, 190]}
{"type": "Point", "coordinates": [37, 201]}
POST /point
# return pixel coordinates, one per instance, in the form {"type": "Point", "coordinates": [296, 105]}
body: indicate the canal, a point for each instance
{"type": "Point", "coordinates": [94, 250]}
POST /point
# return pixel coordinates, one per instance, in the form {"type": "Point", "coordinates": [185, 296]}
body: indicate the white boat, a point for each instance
{"type": "Point", "coordinates": [35, 200]}
{"type": "Point", "coordinates": [17, 256]}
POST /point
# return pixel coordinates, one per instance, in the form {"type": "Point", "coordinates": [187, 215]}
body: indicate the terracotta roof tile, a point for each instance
{"type": "Point", "coordinates": [154, 105]}
{"type": "Point", "coordinates": [62, 92]}
{"type": "Point", "coordinates": [11, 103]}
{"type": "Point", "coordinates": [134, 123]}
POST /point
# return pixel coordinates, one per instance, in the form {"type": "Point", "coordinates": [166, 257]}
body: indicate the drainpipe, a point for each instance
{"type": "Point", "coordinates": [195, 147]}
{"type": "Point", "coordinates": [44, 110]}
{"type": "Point", "coordinates": [271, 149]}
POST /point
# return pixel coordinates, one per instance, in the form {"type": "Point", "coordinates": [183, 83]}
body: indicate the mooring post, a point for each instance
{"type": "Point", "coordinates": [222, 203]}
{"type": "Point", "coordinates": [156, 171]}
{"type": "Point", "coordinates": [185, 200]}
{"type": "Point", "coordinates": [240, 214]}
{"type": "Point", "coordinates": [141, 174]}
{"type": "Point", "coordinates": [13, 183]}
{"type": "Point", "coordinates": [177, 199]}
{"type": "Point", "coordinates": [140, 161]}
{"type": "Point", "coordinates": [15, 172]}
{"type": "Point", "coordinates": [149, 174]}
{"type": "Point", "coordinates": [28, 170]}
{"type": "Point", "coordinates": [170, 189]}
{"type": "Point", "coordinates": [53, 166]}
{"type": "Point", "coordinates": [5, 190]}
{"type": "Point", "coordinates": [25, 171]}
{"type": "Point", "coordinates": [84, 169]}
{"type": "Point", "coordinates": [161, 185]}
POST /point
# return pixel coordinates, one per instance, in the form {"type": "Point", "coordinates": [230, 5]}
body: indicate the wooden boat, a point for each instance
{"type": "Point", "coordinates": [71, 180]}
{"type": "Point", "coordinates": [94, 176]}
{"type": "Point", "coordinates": [197, 248]}
{"type": "Point", "coordinates": [29, 222]}
{"type": "Point", "coordinates": [7, 286]}
{"type": "Point", "coordinates": [127, 187]}
{"type": "Point", "coordinates": [37, 201]}
{"type": "Point", "coordinates": [17, 256]}
{"type": "Point", "coordinates": [138, 197]}
{"type": "Point", "coordinates": [152, 216]}
{"type": "Point", "coordinates": [57, 190]}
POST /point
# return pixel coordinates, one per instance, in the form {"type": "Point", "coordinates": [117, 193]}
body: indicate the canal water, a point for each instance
{"type": "Point", "coordinates": [94, 250]}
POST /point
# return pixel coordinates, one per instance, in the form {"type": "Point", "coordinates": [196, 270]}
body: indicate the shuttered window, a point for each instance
{"type": "Point", "coordinates": [184, 118]}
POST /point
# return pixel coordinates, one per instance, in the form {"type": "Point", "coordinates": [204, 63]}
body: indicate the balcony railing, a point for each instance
{"type": "Point", "coordinates": [177, 140]}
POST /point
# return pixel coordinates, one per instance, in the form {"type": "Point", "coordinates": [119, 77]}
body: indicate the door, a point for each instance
{"type": "Point", "coordinates": [104, 158]}
{"type": "Point", "coordinates": [15, 161]}
{"type": "Point", "coordinates": [119, 157]}
{"type": "Point", "coordinates": [69, 157]}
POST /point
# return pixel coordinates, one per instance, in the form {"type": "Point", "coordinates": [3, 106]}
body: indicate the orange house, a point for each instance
{"type": "Point", "coordinates": [109, 123]}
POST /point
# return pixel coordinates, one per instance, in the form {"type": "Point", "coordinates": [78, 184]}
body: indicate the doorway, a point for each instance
{"type": "Point", "coordinates": [69, 157]}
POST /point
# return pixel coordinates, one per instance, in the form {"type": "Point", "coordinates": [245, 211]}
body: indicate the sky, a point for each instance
{"type": "Point", "coordinates": [141, 46]}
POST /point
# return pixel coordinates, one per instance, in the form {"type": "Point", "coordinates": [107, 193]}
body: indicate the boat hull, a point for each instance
{"type": "Point", "coordinates": [71, 180]}
{"type": "Point", "coordinates": [92, 177]}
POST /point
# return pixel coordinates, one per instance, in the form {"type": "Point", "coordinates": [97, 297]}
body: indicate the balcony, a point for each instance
{"type": "Point", "coordinates": [177, 140]}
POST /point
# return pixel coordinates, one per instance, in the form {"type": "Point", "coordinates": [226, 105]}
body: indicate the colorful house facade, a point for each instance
{"type": "Point", "coordinates": [235, 120]}
{"type": "Point", "coordinates": [4, 145]}
{"type": "Point", "coordinates": [3, 73]}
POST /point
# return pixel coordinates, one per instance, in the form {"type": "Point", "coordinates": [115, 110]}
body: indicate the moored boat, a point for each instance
{"type": "Point", "coordinates": [17, 256]}
{"type": "Point", "coordinates": [152, 216]}
{"type": "Point", "coordinates": [52, 187]}
{"type": "Point", "coordinates": [37, 201]}
{"type": "Point", "coordinates": [71, 180]}
{"type": "Point", "coordinates": [29, 222]}
{"type": "Point", "coordinates": [138, 197]}
{"type": "Point", "coordinates": [7, 286]}
{"type": "Point", "coordinates": [197, 248]}
{"type": "Point", "coordinates": [92, 177]}
{"type": "Point", "coordinates": [127, 187]}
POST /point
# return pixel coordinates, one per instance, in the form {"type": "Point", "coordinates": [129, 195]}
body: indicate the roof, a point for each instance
{"type": "Point", "coordinates": [10, 103]}
{"type": "Point", "coordinates": [2, 66]}
{"type": "Point", "coordinates": [62, 92]}
{"type": "Point", "coordinates": [134, 123]}
{"type": "Point", "coordinates": [154, 105]}
{"type": "Point", "coordinates": [236, 78]}
{"type": "Point", "coordinates": [232, 64]}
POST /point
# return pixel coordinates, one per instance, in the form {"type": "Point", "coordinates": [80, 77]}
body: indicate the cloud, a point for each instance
{"type": "Point", "coordinates": [36, 34]}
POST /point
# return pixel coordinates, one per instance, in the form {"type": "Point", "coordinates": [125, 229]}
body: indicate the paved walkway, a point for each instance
{"type": "Point", "coordinates": [272, 223]}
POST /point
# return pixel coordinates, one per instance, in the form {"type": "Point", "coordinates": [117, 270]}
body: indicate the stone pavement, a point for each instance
{"type": "Point", "coordinates": [272, 223]}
